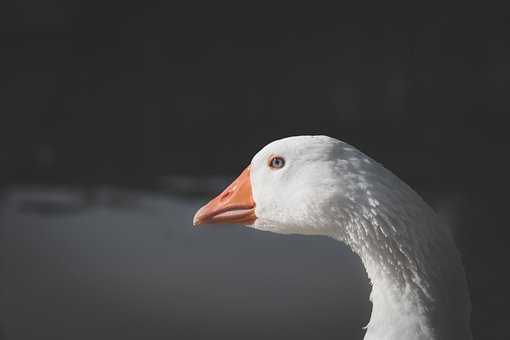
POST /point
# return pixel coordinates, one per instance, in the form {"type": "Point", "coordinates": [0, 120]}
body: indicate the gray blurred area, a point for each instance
{"type": "Point", "coordinates": [117, 264]}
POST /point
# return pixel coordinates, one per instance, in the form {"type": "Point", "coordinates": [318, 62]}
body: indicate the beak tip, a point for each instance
{"type": "Point", "coordinates": [198, 218]}
{"type": "Point", "coordinates": [196, 221]}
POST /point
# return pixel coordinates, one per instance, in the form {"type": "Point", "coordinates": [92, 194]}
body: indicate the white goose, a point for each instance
{"type": "Point", "coordinates": [317, 185]}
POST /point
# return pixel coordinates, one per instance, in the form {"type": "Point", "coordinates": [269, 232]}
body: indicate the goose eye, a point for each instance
{"type": "Point", "coordinates": [276, 162]}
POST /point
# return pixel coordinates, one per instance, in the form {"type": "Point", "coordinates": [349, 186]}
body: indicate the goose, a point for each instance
{"type": "Point", "coordinates": [318, 185]}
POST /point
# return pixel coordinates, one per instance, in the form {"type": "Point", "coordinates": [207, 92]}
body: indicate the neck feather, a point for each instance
{"type": "Point", "coordinates": [419, 289]}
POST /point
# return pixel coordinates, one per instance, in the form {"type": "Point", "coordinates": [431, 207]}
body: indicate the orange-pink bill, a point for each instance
{"type": "Point", "coordinates": [234, 205]}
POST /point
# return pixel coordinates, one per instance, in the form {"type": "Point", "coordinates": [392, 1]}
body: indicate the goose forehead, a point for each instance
{"type": "Point", "coordinates": [304, 146]}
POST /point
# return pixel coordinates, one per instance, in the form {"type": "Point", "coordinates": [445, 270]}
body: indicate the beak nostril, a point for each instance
{"type": "Point", "coordinates": [225, 195]}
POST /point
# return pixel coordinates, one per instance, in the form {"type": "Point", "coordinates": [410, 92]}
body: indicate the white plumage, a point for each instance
{"type": "Point", "coordinates": [330, 188]}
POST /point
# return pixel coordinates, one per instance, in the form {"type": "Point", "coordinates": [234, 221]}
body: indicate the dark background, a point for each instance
{"type": "Point", "coordinates": [130, 95]}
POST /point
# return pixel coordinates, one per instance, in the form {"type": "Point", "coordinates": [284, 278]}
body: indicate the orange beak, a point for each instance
{"type": "Point", "coordinates": [234, 205]}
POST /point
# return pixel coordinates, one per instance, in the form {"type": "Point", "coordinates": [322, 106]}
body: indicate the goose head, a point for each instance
{"type": "Point", "coordinates": [290, 187]}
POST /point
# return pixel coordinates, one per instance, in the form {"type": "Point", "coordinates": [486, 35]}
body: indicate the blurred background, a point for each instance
{"type": "Point", "coordinates": [117, 121]}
